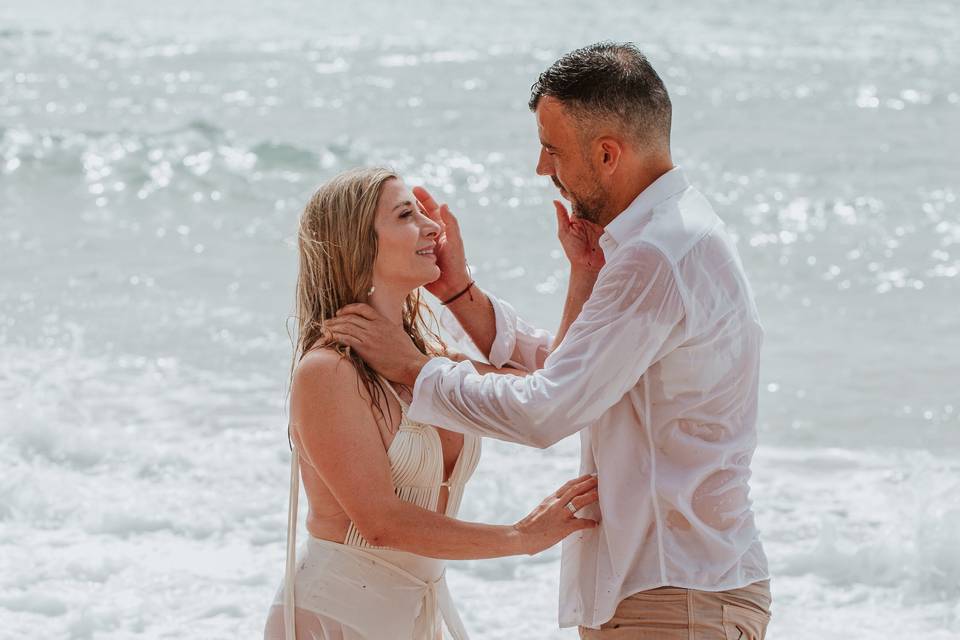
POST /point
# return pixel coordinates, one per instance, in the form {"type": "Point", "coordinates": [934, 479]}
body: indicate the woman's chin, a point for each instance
{"type": "Point", "coordinates": [427, 276]}
{"type": "Point", "coordinates": [436, 273]}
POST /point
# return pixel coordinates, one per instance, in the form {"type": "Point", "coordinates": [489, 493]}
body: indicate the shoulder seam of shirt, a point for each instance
{"type": "Point", "coordinates": [675, 274]}
{"type": "Point", "coordinates": [688, 247]}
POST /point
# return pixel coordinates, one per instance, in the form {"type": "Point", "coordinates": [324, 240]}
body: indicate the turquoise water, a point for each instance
{"type": "Point", "coordinates": [153, 162]}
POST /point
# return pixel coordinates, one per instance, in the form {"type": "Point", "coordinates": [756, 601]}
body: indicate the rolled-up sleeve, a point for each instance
{"type": "Point", "coordinates": [633, 317]}
{"type": "Point", "coordinates": [517, 344]}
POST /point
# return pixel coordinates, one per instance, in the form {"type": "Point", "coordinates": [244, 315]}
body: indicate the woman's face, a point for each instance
{"type": "Point", "coordinates": [406, 240]}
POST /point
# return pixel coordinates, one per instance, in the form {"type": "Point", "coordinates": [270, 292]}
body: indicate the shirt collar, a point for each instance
{"type": "Point", "coordinates": [620, 228]}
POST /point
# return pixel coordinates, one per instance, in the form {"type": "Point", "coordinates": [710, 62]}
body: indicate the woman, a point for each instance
{"type": "Point", "coordinates": [383, 491]}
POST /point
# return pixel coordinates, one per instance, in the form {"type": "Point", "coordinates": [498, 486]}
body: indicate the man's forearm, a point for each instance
{"type": "Point", "coordinates": [474, 312]}
{"type": "Point", "coordinates": [579, 289]}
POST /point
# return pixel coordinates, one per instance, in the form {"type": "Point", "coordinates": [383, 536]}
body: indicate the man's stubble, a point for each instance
{"type": "Point", "coordinates": [587, 206]}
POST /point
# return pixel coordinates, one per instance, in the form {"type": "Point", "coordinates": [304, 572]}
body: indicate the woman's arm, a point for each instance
{"type": "Point", "coordinates": [580, 240]}
{"type": "Point", "coordinates": [336, 433]}
{"type": "Point", "coordinates": [579, 289]}
{"type": "Point", "coordinates": [428, 533]}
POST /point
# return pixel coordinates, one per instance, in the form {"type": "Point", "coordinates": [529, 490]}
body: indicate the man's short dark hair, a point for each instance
{"type": "Point", "coordinates": [613, 82]}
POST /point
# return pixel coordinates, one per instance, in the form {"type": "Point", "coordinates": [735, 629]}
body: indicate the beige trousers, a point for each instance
{"type": "Point", "coordinates": [670, 613]}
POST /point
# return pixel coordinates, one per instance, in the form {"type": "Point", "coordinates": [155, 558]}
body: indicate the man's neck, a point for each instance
{"type": "Point", "coordinates": [640, 179]}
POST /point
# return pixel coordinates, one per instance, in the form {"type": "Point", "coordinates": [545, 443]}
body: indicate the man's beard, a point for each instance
{"type": "Point", "coordinates": [587, 206]}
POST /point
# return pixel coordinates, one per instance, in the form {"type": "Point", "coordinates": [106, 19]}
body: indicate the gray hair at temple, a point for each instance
{"type": "Point", "coordinates": [609, 83]}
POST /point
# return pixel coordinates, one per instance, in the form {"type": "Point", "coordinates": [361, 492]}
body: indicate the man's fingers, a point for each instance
{"type": "Point", "coordinates": [363, 310]}
{"type": "Point", "coordinates": [433, 215]}
{"type": "Point", "coordinates": [449, 220]}
{"type": "Point", "coordinates": [451, 226]}
{"type": "Point", "coordinates": [355, 323]}
{"type": "Point", "coordinates": [347, 337]}
{"type": "Point", "coordinates": [423, 197]}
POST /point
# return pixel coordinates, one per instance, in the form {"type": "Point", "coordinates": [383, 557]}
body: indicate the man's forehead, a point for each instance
{"type": "Point", "coordinates": [550, 117]}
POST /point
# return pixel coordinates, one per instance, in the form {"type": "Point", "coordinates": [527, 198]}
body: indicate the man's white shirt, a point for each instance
{"type": "Point", "coordinates": [659, 374]}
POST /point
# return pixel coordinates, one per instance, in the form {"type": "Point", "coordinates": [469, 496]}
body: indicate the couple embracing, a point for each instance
{"type": "Point", "coordinates": [655, 364]}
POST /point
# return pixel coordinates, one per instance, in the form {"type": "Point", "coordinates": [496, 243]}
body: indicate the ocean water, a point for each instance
{"type": "Point", "coordinates": [154, 158]}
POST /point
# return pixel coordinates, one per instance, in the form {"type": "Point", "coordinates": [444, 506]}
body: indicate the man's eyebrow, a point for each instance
{"type": "Point", "coordinates": [405, 203]}
{"type": "Point", "coordinates": [546, 145]}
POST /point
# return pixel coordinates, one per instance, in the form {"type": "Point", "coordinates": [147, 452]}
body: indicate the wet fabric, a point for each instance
{"type": "Point", "coordinates": [353, 591]}
{"type": "Point", "coordinates": [660, 374]}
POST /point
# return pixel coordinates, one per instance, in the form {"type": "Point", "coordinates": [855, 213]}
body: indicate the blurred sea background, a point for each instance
{"type": "Point", "coordinates": [155, 157]}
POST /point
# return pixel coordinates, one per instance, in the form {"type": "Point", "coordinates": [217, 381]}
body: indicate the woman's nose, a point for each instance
{"type": "Point", "coordinates": [430, 228]}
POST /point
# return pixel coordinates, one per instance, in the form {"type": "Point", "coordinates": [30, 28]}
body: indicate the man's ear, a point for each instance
{"type": "Point", "coordinates": [609, 151]}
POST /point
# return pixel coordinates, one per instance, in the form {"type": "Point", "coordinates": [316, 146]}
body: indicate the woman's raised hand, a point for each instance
{"type": "Point", "coordinates": [454, 275]}
{"type": "Point", "coordinates": [580, 240]}
{"type": "Point", "coordinates": [553, 520]}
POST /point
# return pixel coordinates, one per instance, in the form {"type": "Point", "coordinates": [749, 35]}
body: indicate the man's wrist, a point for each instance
{"type": "Point", "coordinates": [414, 368]}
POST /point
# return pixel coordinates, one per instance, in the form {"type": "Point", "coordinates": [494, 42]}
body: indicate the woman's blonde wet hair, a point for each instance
{"type": "Point", "coordinates": [337, 245]}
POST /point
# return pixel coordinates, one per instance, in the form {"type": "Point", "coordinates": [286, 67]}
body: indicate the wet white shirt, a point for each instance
{"type": "Point", "coordinates": [659, 374]}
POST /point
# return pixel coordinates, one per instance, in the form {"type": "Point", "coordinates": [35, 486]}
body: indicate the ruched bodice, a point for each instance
{"type": "Point", "coordinates": [417, 468]}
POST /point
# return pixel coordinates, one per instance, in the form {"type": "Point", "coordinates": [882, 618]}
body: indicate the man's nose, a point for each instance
{"type": "Point", "coordinates": [544, 166]}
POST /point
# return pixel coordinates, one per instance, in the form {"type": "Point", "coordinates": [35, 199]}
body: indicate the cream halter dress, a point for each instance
{"type": "Point", "coordinates": [353, 591]}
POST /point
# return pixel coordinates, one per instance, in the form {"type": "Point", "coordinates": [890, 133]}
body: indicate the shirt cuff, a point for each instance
{"type": "Point", "coordinates": [423, 406]}
{"type": "Point", "coordinates": [505, 341]}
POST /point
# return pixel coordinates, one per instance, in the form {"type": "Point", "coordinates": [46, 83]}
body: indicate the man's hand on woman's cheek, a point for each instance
{"type": "Point", "coordinates": [383, 345]}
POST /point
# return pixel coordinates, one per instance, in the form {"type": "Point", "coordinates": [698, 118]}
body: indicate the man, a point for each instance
{"type": "Point", "coordinates": [658, 369]}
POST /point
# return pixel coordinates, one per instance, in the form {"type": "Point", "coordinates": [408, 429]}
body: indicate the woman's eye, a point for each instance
{"type": "Point", "coordinates": [406, 214]}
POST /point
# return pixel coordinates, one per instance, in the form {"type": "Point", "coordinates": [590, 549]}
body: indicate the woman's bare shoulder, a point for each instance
{"type": "Point", "coordinates": [325, 376]}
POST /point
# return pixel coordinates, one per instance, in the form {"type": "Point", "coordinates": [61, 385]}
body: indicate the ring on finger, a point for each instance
{"type": "Point", "coordinates": [572, 508]}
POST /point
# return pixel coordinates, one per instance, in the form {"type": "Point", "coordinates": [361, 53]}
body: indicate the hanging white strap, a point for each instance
{"type": "Point", "coordinates": [290, 575]}
{"type": "Point", "coordinates": [403, 405]}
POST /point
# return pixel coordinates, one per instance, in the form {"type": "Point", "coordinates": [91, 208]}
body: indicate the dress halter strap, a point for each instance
{"type": "Point", "coordinates": [289, 601]}
{"type": "Point", "coordinates": [403, 405]}
{"type": "Point", "coordinates": [290, 631]}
